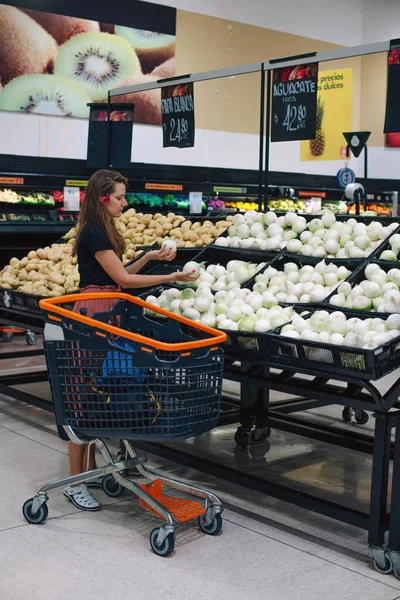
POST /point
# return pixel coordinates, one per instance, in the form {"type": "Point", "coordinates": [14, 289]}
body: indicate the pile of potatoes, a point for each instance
{"type": "Point", "coordinates": [197, 234]}
{"type": "Point", "coordinates": [139, 229]}
{"type": "Point", "coordinates": [50, 271]}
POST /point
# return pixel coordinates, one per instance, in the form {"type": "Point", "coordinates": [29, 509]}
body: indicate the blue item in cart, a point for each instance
{"type": "Point", "coordinates": [121, 364]}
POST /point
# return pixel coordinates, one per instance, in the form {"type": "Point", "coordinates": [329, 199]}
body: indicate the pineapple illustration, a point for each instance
{"type": "Point", "coordinates": [317, 146]}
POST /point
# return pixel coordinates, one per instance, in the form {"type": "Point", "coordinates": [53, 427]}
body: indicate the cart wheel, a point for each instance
{"type": "Point", "coordinates": [166, 547]}
{"type": "Point", "coordinates": [212, 528]}
{"type": "Point", "coordinates": [6, 336]}
{"type": "Point", "coordinates": [258, 436]}
{"type": "Point", "coordinates": [387, 568]}
{"type": "Point", "coordinates": [396, 572]}
{"type": "Point", "coordinates": [243, 437]}
{"type": "Point", "coordinates": [111, 487]}
{"type": "Point", "coordinates": [347, 414]}
{"type": "Point", "coordinates": [31, 338]}
{"type": "Point", "coordinates": [361, 417]}
{"type": "Point", "coordinates": [38, 517]}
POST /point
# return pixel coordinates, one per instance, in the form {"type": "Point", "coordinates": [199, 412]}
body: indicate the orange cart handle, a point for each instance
{"type": "Point", "coordinates": [51, 306]}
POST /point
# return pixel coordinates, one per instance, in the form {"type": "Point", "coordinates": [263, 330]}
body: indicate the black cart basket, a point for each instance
{"type": "Point", "coordinates": [137, 371]}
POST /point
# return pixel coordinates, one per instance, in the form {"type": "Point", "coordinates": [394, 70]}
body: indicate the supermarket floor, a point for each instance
{"type": "Point", "coordinates": [267, 550]}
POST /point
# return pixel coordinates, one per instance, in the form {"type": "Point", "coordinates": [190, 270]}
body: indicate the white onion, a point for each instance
{"type": "Point", "coordinates": [262, 326]}
{"type": "Point", "coordinates": [192, 266]}
{"type": "Point", "coordinates": [191, 313]}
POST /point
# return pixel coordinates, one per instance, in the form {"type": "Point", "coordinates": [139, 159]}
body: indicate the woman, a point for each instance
{"type": "Point", "coordinates": [99, 249]}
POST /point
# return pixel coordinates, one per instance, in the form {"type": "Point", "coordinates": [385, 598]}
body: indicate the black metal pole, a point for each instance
{"type": "Point", "coordinates": [261, 150]}
{"type": "Point", "coordinates": [267, 137]}
{"type": "Point", "coordinates": [365, 175]}
{"type": "Point", "coordinates": [108, 130]}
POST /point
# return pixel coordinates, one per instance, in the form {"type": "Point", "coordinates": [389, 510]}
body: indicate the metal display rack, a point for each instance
{"type": "Point", "coordinates": [258, 379]}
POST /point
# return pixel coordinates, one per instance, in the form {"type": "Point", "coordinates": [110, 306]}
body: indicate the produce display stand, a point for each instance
{"type": "Point", "coordinates": [258, 374]}
{"type": "Point", "coordinates": [257, 379]}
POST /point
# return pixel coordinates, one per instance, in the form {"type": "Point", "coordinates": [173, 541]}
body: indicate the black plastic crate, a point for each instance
{"type": "Point", "coordinates": [19, 301]}
{"type": "Point", "coordinates": [207, 256]}
{"type": "Point", "coordinates": [386, 246]}
{"type": "Point", "coordinates": [159, 267]}
{"type": "Point", "coordinates": [278, 263]}
{"type": "Point", "coordinates": [335, 362]}
{"type": "Point", "coordinates": [356, 278]}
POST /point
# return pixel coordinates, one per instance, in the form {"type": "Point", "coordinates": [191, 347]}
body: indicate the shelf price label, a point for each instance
{"type": "Point", "coordinates": [294, 103]}
{"type": "Point", "coordinates": [11, 180]}
{"type": "Point", "coordinates": [177, 108]}
{"type": "Point", "coordinates": [71, 199]}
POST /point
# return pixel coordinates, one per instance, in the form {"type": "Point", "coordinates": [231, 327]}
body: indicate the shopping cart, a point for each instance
{"type": "Point", "coordinates": [163, 381]}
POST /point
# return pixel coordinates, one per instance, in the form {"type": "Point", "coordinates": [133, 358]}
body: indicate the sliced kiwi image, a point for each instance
{"type": "Point", "coordinates": [147, 104]}
{"type": "Point", "coordinates": [25, 47]}
{"type": "Point", "coordinates": [97, 62]}
{"type": "Point", "coordinates": [152, 48]}
{"type": "Point", "coordinates": [60, 27]}
{"type": "Point", "coordinates": [46, 95]}
{"type": "Point", "coordinates": [167, 69]}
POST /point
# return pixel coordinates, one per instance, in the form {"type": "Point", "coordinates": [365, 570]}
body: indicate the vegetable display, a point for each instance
{"type": "Point", "coordinates": [234, 310]}
{"type": "Point", "coordinates": [378, 292]}
{"type": "Point", "coordinates": [50, 271]}
{"type": "Point", "coordinates": [196, 234]}
{"type": "Point", "coordinates": [323, 237]}
{"type": "Point", "coordinates": [220, 278]}
{"type": "Point", "coordinates": [327, 237]}
{"type": "Point", "coordinates": [335, 328]}
{"type": "Point", "coordinates": [263, 231]}
{"type": "Point", "coordinates": [305, 284]}
{"type": "Point", "coordinates": [393, 253]}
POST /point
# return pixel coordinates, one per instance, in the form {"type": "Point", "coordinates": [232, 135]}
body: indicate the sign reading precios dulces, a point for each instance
{"type": "Point", "coordinates": [177, 107]}
{"type": "Point", "coordinates": [294, 103]}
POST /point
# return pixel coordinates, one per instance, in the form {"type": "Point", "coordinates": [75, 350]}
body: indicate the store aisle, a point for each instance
{"type": "Point", "coordinates": [106, 555]}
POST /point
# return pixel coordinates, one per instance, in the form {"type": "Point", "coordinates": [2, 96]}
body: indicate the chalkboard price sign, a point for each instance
{"type": "Point", "coordinates": [294, 103]}
{"type": "Point", "coordinates": [177, 107]}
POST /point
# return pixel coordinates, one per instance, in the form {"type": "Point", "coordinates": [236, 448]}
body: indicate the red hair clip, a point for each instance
{"type": "Point", "coordinates": [105, 199]}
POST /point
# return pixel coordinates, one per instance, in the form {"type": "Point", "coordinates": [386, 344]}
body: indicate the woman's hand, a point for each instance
{"type": "Point", "coordinates": [184, 276]}
{"type": "Point", "coordinates": [163, 254]}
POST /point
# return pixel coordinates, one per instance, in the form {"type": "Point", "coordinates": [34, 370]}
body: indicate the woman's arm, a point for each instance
{"type": "Point", "coordinates": [115, 269]}
{"type": "Point", "coordinates": [163, 254]}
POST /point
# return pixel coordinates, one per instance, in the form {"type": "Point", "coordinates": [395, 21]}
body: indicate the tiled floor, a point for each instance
{"type": "Point", "coordinates": [268, 549]}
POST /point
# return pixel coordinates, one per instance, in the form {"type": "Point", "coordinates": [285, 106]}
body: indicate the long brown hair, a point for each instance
{"type": "Point", "coordinates": [101, 183]}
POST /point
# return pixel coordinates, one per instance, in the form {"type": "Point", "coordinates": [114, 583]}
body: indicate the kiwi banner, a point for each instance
{"type": "Point", "coordinates": [294, 103]}
{"type": "Point", "coordinates": [392, 120]}
{"type": "Point", "coordinates": [177, 107]}
{"type": "Point", "coordinates": [53, 64]}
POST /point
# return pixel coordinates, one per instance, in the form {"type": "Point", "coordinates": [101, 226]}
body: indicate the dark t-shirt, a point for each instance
{"type": "Point", "coordinates": [92, 239]}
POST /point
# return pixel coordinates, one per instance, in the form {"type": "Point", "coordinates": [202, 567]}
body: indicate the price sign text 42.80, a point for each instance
{"type": "Point", "coordinates": [295, 117]}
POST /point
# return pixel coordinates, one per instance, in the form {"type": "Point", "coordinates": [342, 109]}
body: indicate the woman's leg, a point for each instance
{"type": "Point", "coordinates": [78, 494]}
{"type": "Point", "coordinates": [76, 454]}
